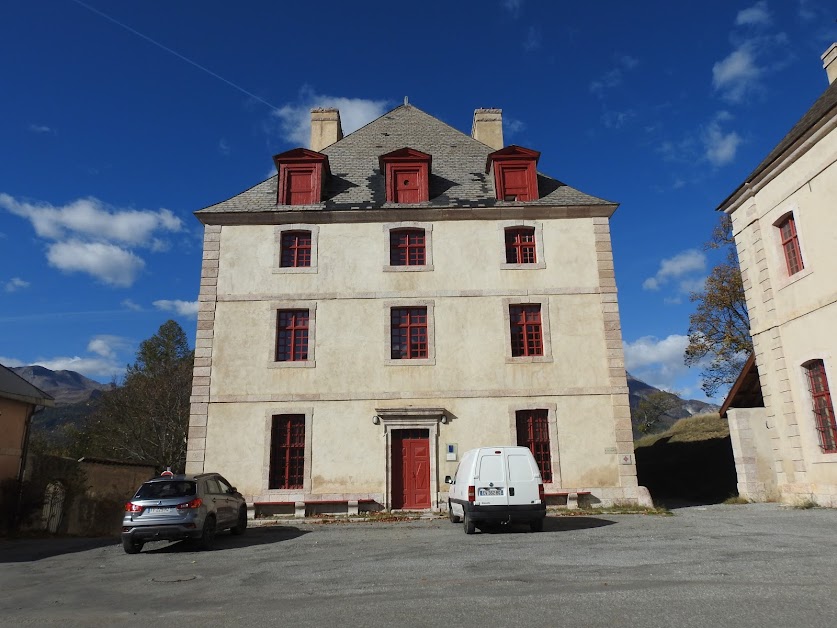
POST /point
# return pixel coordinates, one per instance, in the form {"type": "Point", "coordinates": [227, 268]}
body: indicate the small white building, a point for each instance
{"type": "Point", "coordinates": [395, 297]}
{"type": "Point", "coordinates": [785, 228]}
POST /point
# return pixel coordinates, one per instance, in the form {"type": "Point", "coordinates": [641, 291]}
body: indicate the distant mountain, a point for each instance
{"type": "Point", "coordinates": [67, 387]}
{"type": "Point", "coordinates": [639, 390]}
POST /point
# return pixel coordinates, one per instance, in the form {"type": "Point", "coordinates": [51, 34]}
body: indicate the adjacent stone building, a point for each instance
{"type": "Point", "coordinates": [785, 226]}
{"type": "Point", "coordinates": [395, 297]}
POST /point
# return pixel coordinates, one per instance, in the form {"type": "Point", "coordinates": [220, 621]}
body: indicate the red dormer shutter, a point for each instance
{"type": "Point", "coordinates": [407, 173]}
{"type": "Point", "coordinates": [302, 176]}
{"type": "Point", "coordinates": [515, 176]}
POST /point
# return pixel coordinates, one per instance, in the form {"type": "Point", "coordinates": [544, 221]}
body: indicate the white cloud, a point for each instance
{"type": "Point", "coordinates": [39, 128]}
{"type": "Point", "coordinates": [101, 367]}
{"type": "Point", "coordinates": [756, 15]}
{"type": "Point", "coordinates": [738, 74]}
{"type": "Point", "coordinates": [615, 76]}
{"type": "Point", "coordinates": [687, 286]}
{"type": "Point", "coordinates": [295, 119]}
{"type": "Point", "coordinates": [182, 308]}
{"type": "Point", "coordinates": [108, 346]}
{"type": "Point", "coordinates": [223, 146]}
{"type": "Point", "coordinates": [15, 284]}
{"type": "Point", "coordinates": [10, 362]}
{"type": "Point", "coordinates": [107, 262]}
{"type": "Point", "coordinates": [617, 119]}
{"type": "Point", "coordinates": [657, 361]}
{"type": "Point", "coordinates": [720, 147]}
{"type": "Point", "coordinates": [685, 262]}
{"type": "Point", "coordinates": [512, 126]}
{"type": "Point", "coordinates": [513, 7]}
{"type": "Point", "coordinates": [533, 39]}
{"type": "Point", "coordinates": [130, 305]}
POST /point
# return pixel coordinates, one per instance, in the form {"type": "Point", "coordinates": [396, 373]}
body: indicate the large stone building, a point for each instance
{"type": "Point", "coordinates": [785, 226]}
{"type": "Point", "coordinates": [395, 297]}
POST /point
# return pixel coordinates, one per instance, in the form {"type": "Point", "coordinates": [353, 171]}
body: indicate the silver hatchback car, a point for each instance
{"type": "Point", "coordinates": [175, 507]}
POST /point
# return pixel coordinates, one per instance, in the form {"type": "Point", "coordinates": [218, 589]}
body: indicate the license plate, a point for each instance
{"type": "Point", "coordinates": [490, 492]}
{"type": "Point", "coordinates": [161, 511]}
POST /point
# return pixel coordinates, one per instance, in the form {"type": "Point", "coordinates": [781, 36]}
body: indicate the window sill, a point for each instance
{"type": "Point", "coordinates": [408, 269]}
{"type": "Point", "coordinates": [411, 362]}
{"type": "Point", "coordinates": [294, 270]}
{"type": "Point", "coordinates": [535, 266]}
{"type": "Point", "coordinates": [784, 282]}
{"type": "Point", "coordinates": [292, 364]}
{"type": "Point", "coordinates": [528, 359]}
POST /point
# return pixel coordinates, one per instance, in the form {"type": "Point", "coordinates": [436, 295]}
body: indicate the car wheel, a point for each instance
{"type": "Point", "coordinates": [453, 518]}
{"type": "Point", "coordinates": [536, 525]}
{"type": "Point", "coordinates": [468, 524]}
{"type": "Point", "coordinates": [132, 547]}
{"type": "Point", "coordinates": [207, 534]}
{"type": "Point", "coordinates": [241, 526]}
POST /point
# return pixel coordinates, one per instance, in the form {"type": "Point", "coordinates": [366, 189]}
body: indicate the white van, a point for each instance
{"type": "Point", "coordinates": [497, 485]}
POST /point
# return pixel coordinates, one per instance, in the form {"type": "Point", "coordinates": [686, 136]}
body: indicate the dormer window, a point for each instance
{"type": "Point", "coordinates": [302, 176]}
{"type": "Point", "coordinates": [515, 177]}
{"type": "Point", "coordinates": [407, 173]}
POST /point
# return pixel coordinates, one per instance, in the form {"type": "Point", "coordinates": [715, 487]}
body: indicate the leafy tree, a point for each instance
{"type": "Point", "coordinates": [146, 418]}
{"type": "Point", "coordinates": [651, 409]}
{"type": "Point", "coordinates": [719, 329]}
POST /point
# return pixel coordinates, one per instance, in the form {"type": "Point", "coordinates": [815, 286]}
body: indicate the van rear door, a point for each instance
{"type": "Point", "coordinates": [524, 476]}
{"type": "Point", "coordinates": [490, 478]}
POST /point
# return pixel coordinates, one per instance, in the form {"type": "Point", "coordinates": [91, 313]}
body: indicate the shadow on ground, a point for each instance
{"type": "Point", "coordinates": [27, 550]}
{"type": "Point", "coordinates": [227, 541]}
{"type": "Point", "coordinates": [552, 524]}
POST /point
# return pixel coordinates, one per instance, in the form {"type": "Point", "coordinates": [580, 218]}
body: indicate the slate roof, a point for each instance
{"type": "Point", "coordinates": [823, 107]}
{"type": "Point", "coordinates": [13, 386]}
{"type": "Point", "coordinates": [457, 179]}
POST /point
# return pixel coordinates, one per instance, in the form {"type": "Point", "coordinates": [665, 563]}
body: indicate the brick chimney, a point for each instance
{"type": "Point", "coordinates": [325, 128]}
{"type": "Point", "coordinates": [488, 127]}
{"type": "Point", "coordinates": [829, 62]}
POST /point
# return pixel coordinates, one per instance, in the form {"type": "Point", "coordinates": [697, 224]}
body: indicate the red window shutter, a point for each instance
{"type": "Point", "coordinates": [823, 408]}
{"type": "Point", "coordinates": [533, 432]}
{"type": "Point", "coordinates": [516, 184]}
{"type": "Point", "coordinates": [520, 245]}
{"type": "Point", "coordinates": [295, 249]}
{"type": "Point", "coordinates": [302, 175]}
{"type": "Point", "coordinates": [406, 186]}
{"type": "Point", "coordinates": [287, 452]}
{"type": "Point", "coordinates": [292, 336]}
{"type": "Point", "coordinates": [526, 330]}
{"type": "Point", "coordinates": [790, 245]}
{"type": "Point", "coordinates": [407, 247]}
{"type": "Point", "coordinates": [408, 333]}
{"type": "Point", "coordinates": [300, 187]}
{"type": "Point", "coordinates": [407, 173]}
{"type": "Point", "coordinates": [515, 176]}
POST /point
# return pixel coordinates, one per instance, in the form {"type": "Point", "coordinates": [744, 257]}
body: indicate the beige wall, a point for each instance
{"type": "Point", "coordinates": [13, 415]}
{"type": "Point", "coordinates": [793, 317]}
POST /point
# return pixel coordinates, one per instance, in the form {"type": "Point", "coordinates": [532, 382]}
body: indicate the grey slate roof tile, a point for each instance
{"type": "Point", "coordinates": [457, 178]}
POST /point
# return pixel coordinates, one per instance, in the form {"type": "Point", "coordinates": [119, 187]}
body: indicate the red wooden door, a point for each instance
{"type": "Point", "coordinates": [410, 469]}
{"type": "Point", "coordinates": [406, 186]}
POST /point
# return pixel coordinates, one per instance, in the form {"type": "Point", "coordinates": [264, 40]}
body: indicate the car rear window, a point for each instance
{"type": "Point", "coordinates": [164, 490]}
{"type": "Point", "coordinates": [519, 468]}
{"type": "Point", "coordinates": [491, 468]}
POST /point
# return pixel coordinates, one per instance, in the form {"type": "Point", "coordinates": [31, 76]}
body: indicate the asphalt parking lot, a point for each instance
{"type": "Point", "coordinates": [747, 565]}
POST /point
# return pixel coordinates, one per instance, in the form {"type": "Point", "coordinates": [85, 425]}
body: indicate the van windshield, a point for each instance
{"type": "Point", "coordinates": [165, 490]}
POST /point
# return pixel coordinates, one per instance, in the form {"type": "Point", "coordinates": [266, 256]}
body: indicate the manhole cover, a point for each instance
{"type": "Point", "coordinates": [172, 578]}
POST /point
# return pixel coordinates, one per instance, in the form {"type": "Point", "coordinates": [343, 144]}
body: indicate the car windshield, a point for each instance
{"type": "Point", "coordinates": [165, 490]}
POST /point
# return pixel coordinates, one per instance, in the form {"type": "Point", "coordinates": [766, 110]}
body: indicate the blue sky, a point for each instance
{"type": "Point", "coordinates": [119, 119]}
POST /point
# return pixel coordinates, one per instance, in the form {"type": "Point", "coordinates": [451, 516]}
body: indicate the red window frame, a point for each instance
{"type": "Point", "coordinates": [408, 333]}
{"type": "Point", "coordinates": [520, 246]}
{"type": "Point", "coordinates": [790, 245]}
{"type": "Point", "coordinates": [533, 432]}
{"type": "Point", "coordinates": [822, 405]}
{"type": "Point", "coordinates": [295, 249]}
{"type": "Point", "coordinates": [287, 451]}
{"type": "Point", "coordinates": [526, 330]}
{"type": "Point", "coordinates": [292, 335]}
{"type": "Point", "coordinates": [407, 247]}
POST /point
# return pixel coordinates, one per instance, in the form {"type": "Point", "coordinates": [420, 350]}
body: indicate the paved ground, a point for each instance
{"type": "Point", "coordinates": [756, 565]}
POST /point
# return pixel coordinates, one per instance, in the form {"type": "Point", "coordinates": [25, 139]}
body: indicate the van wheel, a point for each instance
{"type": "Point", "coordinates": [453, 518]}
{"type": "Point", "coordinates": [536, 525]}
{"type": "Point", "coordinates": [468, 524]}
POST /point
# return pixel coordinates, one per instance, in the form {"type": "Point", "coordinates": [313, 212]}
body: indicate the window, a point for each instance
{"type": "Point", "coordinates": [533, 432]}
{"type": "Point", "coordinates": [287, 452]}
{"type": "Point", "coordinates": [515, 177]}
{"type": "Point", "coordinates": [526, 330]}
{"type": "Point", "coordinates": [520, 246]}
{"type": "Point", "coordinates": [407, 173]}
{"type": "Point", "coordinates": [302, 176]}
{"type": "Point", "coordinates": [823, 409]}
{"type": "Point", "coordinates": [295, 249]}
{"type": "Point", "coordinates": [292, 336]}
{"type": "Point", "coordinates": [790, 245]}
{"type": "Point", "coordinates": [406, 247]}
{"type": "Point", "coordinates": [408, 333]}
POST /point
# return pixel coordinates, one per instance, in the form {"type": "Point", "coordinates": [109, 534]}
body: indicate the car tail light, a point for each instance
{"type": "Point", "coordinates": [195, 503]}
{"type": "Point", "coordinates": [541, 492]}
{"type": "Point", "coordinates": [472, 493]}
{"type": "Point", "coordinates": [132, 507]}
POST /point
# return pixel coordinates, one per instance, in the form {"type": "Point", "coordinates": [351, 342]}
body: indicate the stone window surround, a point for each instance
{"type": "Point", "coordinates": [777, 253]}
{"type": "Point", "coordinates": [552, 423]}
{"type": "Point", "coordinates": [407, 419]}
{"type": "Point", "coordinates": [545, 329]}
{"type": "Point", "coordinates": [277, 255]}
{"type": "Point", "coordinates": [428, 245]}
{"type": "Point", "coordinates": [274, 307]}
{"type": "Point", "coordinates": [291, 494]}
{"type": "Point", "coordinates": [807, 422]}
{"type": "Point", "coordinates": [430, 360]}
{"type": "Point", "coordinates": [511, 224]}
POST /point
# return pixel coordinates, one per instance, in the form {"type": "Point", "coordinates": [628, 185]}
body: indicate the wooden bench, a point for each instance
{"type": "Point", "coordinates": [300, 507]}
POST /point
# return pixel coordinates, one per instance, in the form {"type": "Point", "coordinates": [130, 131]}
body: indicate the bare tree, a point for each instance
{"type": "Point", "coordinates": [652, 408]}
